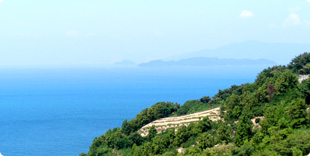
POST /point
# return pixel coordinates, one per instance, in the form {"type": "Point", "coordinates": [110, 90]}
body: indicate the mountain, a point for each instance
{"type": "Point", "coordinates": [205, 61]}
{"type": "Point", "coordinates": [279, 52]}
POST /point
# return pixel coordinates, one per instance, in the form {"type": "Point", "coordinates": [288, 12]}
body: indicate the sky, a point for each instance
{"type": "Point", "coordinates": [96, 33]}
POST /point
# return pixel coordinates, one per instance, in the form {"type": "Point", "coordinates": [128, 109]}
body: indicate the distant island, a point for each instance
{"type": "Point", "coordinates": [205, 61]}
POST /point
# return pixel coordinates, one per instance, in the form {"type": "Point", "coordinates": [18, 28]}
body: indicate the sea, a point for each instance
{"type": "Point", "coordinates": [48, 112]}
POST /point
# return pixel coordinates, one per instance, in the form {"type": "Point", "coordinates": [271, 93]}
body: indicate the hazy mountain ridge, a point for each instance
{"type": "Point", "coordinates": [278, 52]}
{"type": "Point", "coordinates": [205, 61]}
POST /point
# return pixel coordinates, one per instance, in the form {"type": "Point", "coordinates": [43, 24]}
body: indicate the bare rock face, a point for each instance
{"type": "Point", "coordinates": [175, 122]}
{"type": "Point", "coordinates": [302, 78]}
{"type": "Point", "coordinates": [181, 150]}
{"type": "Point", "coordinates": [257, 124]}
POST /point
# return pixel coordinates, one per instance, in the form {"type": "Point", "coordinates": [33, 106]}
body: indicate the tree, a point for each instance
{"type": "Point", "coordinates": [158, 110]}
{"type": "Point", "coordinates": [299, 64]}
{"type": "Point", "coordinates": [116, 139]}
{"type": "Point", "coordinates": [135, 151]}
{"type": "Point", "coordinates": [266, 74]}
{"type": "Point", "coordinates": [152, 133]}
{"type": "Point", "coordinates": [126, 128]}
{"type": "Point", "coordinates": [205, 99]}
{"type": "Point", "coordinates": [205, 124]}
{"type": "Point", "coordinates": [287, 80]}
{"type": "Point", "coordinates": [305, 89]}
{"type": "Point", "coordinates": [161, 143]}
{"type": "Point", "coordinates": [298, 113]}
{"type": "Point", "coordinates": [244, 129]}
{"type": "Point", "coordinates": [205, 140]}
{"type": "Point", "coordinates": [121, 143]}
{"type": "Point", "coordinates": [182, 135]}
{"type": "Point", "coordinates": [224, 133]}
{"type": "Point", "coordinates": [261, 94]}
{"type": "Point", "coordinates": [270, 91]}
{"type": "Point", "coordinates": [249, 101]}
{"type": "Point", "coordinates": [233, 106]}
{"type": "Point", "coordinates": [147, 149]}
{"type": "Point", "coordinates": [136, 138]}
{"type": "Point", "coordinates": [261, 78]}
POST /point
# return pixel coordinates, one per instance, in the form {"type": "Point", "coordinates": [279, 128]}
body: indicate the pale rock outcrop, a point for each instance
{"type": "Point", "coordinates": [175, 122]}
{"type": "Point", "coordinates": [302, 78]}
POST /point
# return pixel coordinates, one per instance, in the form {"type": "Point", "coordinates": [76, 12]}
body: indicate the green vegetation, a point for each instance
{"type": "Point", "coordinates": [193, 106]}
{"type": "Point", "coordinates": [276, 95]}
{"type": "Point", "coordinates": [157, 111]}
{"type": "Point", "coordinates": [301, 64]}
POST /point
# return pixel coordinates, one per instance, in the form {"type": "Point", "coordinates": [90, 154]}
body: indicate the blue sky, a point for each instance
{"type": "Point", "coordinates": [94, 33]}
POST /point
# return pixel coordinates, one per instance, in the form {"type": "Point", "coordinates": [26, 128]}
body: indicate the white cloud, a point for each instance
{"type": "Point", "coordinates": [1, 2]}
{"type": "Point", "coordinates": [246, 14]}
{"type": "Point", "coordinates": [292, 20]}
{"type": "Point", "coordinates": [0, 153]}
{"type": "Point", "coordinates": [308, 1]}
{"type": "Point", "coordinates": [72, 33]}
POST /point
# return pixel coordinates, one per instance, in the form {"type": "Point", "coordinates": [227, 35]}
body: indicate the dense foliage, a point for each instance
{"type": "Point", "coordinates": [276, 97]}
{"type": "Point", "coordinates": [301, 64]}
{"type": "Point", "coordinates": [157, 111]}
{"type": "Point", "coordinates": [193, 106]}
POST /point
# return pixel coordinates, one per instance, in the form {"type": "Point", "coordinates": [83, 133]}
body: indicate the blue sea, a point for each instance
{"type": "Point", "coordinates": [60, 111]}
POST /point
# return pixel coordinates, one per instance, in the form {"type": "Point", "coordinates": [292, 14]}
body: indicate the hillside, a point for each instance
{"type": "Point", "coordinates": [164, 124]}
{"type": "Point", "coordinates": [267, 117]}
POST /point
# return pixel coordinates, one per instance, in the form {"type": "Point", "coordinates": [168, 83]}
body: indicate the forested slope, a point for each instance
{"type": "Point", "coordinates": [275, 96]}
